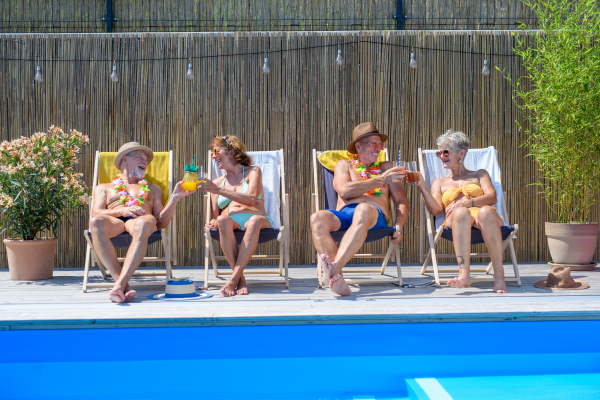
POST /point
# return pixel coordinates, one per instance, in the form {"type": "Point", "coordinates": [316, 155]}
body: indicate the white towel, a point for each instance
{"type": "Point", "coordinates": [474, 160]}
{"type": "Point", "coordinates": [270, 164]}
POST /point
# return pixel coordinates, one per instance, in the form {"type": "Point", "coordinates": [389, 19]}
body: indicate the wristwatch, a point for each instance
{"type": "Point", "coordinates": [472, 203]}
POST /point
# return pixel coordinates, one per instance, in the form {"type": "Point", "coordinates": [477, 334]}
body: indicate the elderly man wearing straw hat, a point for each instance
{"type": "Point", "coordinates": [363, 186]}
{"type": "Point", "coordinates": [129, 204]}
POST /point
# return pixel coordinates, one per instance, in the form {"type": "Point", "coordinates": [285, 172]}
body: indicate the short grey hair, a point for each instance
{"type": "Point", "coordinates": [456, 140]}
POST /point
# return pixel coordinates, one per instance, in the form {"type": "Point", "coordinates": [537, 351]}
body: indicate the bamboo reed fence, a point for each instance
{"type": "Point", "coordinates": [63, 16]}
{"type": "Point", "coordinates": [305, 102]}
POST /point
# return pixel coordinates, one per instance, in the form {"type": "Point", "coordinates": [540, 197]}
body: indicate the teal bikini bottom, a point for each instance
{"type": "Point", "coordinates": [241, 219]}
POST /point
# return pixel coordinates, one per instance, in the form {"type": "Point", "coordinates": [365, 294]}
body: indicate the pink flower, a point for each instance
{"type": "Point", "coordinates": [363, 174]}
{"type": "Point", "coordinates": [130, 203]}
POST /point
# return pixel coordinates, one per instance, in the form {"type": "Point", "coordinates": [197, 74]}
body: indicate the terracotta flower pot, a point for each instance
{"type": "Point", "coordinates": [30, 260]}
{"type": "Point", "coordinates": [572, 243]}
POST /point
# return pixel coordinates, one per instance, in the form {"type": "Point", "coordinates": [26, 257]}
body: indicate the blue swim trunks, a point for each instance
{"type": "Point", "coordinates": [345, 215]}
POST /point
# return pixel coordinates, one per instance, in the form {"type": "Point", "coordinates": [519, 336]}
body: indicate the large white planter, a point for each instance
{"type": "Point", "coordinates": [572, 243]}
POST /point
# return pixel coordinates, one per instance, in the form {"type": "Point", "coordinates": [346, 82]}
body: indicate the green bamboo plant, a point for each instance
{"type": "Point", "coordinates": [559, 97]}
{"type": "Point", "coordinates": [38, 185]}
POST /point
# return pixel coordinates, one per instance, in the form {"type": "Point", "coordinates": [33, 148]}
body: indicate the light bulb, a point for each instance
{"type": "Point", "coordinates": [114, 77]}
{"type": "Point", "coordinates": [413, 62]}
{"type": "Point", "coordinates": [339, 60]}
{"type": "Point", "coordinates": [190, 74]}
{"type": "Point", "coordinates": [485, 71]}
{"type": "Point", "coordinates": [266, 68]}
{"type": "Point", "coordinates": [38, 75]}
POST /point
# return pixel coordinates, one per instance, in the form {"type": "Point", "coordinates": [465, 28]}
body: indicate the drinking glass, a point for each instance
{"type": "Point", "coordinates": [411, 173]}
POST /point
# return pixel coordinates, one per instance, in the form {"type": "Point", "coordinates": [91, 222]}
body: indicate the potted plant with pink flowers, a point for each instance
{"type": "Point", "coordinates": [38, 187]}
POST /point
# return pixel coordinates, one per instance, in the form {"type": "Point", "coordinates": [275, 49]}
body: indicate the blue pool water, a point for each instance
{"type": "Point", "coordinates": [477, 360]}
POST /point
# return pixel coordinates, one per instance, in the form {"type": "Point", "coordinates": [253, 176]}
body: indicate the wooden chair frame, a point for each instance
{"type": "Point", "coordinates": [283, 238]}
{"type": "Point", "coordinates": [430, 254]}
{"type": "Point", "coordinates": [392, 254]}
{"type": "Point", "coordinates": [169, 243]}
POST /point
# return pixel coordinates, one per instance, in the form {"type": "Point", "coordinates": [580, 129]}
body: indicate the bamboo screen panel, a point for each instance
{"type": "Point", "coordinates": [69, 16]}
{"type": "Point", "coordinates": [305, 102]}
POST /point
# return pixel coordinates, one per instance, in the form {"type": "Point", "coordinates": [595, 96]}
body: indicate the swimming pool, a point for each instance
{"type": "Point", "coordinates": [500, 360]}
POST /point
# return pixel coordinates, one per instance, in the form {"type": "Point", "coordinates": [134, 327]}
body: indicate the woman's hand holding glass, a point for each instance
{"type": "Point", "coordinates": [206, 185]}
{"type": "Point", "coordinates": [421, 181]}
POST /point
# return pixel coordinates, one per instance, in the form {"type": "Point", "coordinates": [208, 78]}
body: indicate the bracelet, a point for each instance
{"type": "Point", "coordinates": [472, 203]}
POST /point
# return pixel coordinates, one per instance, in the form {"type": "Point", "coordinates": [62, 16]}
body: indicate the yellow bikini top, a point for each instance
{"type": "Point", "coordinates": [470, 190]}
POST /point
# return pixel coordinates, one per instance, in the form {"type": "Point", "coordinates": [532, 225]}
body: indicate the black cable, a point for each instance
{"type": "Point", "coordinates": [262, 52]}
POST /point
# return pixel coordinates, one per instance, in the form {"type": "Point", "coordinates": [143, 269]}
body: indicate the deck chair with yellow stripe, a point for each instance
{"type": "Point", "coordinates": [160, 173]}
{"type": "Point", "coordinates": [431, 168]}
{"type": "Point", "coordinates": [325, 161]}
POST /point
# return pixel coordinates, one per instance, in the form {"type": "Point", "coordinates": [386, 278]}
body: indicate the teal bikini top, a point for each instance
{"type": "Point", "coordinates": [223, 202]}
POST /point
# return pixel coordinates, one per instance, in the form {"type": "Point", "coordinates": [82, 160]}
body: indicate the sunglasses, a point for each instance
{"type": "Point", "coordinates": [215, 152]}
{"type": "Point", "coordinates": [445, 153]}
{"type": "Point", "coordinates": [374, 145]}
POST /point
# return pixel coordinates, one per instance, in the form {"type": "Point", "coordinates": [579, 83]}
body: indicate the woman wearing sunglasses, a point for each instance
{"type": "Point", "coordinates": [237, 201]}
{"type": "Point", "coordinates": [467, 198]}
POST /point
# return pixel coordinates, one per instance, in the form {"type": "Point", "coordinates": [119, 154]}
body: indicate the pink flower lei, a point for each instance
{"type": "Point", "coordinates": [126, 199]}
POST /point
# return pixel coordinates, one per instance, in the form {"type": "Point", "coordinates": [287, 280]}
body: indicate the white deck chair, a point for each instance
{"type": "Point", "coordinates": [392, 253]}
{"type": "Point", "coordinates": [431, 168]}
{"type": "Point", "coordinates": [159, 172]}
{"type": "Point", "coordinates": [277, 207]}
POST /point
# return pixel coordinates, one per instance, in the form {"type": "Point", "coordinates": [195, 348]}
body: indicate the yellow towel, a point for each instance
{"type": "Point", "coordinates": [157, 172]}
{"type": "Point", "coordinates": [329, 158]}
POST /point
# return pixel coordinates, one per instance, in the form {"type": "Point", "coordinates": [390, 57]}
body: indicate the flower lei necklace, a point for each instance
{"type": "Point", "coordinates": [126, 199]}
{"type": "Point", "coordinates": [367, 172]}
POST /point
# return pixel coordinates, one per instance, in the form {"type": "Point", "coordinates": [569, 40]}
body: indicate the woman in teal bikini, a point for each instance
{"type": "Point", "coordinates": [236, 203]}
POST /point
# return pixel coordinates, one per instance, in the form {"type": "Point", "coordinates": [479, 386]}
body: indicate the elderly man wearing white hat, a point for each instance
{"type": "Point", "coordinates": [129, 204]}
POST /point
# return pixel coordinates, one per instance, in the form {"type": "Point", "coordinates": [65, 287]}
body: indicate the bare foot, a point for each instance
{"type": "Point", "coordinates": [326, 264]}
{"type": "Point", "coordinates": [339, 286]}
{"type": "Point", "coordinates": [229, 289]}
{"type": "Point", "coordinates": [500, 287]}
{"type": "Point", "coordinates": [242, 287]}
{"type": "Point", "coordinates": [116, 296]}
{"type": "Point", "coordinates": [130, 295]}
{"type": "Point", "coordinates": [459, 282]}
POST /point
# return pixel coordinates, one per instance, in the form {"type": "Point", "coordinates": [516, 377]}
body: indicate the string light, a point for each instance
{"type": "Point", "coordinates": [114, 77]}
{"type": "Point", "coordinates": [339, 60]}
{"type": "Point", "coordinates": [265, 68]}
{"type": "Point", "coordinates": [190, 73]}
{"type": "Point", "coordinates": [485, 71]}
{"type": "Point", "coordinates": [413, 62]}
{"type": "Point", "coordinates": [38, 74]}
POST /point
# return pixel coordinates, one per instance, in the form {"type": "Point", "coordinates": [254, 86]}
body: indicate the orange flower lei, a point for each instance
{"type": "Point", "coordinates": [367, 173]}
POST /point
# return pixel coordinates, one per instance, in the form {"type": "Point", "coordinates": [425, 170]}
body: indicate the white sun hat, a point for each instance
{"type": "Point", "coordinates": [177, 290]}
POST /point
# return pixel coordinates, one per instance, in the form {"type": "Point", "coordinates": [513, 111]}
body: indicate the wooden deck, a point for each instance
{"type": "Point", "coordinates": [60, 302]}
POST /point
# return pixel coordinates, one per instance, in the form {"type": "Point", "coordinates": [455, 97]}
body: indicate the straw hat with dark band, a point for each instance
{"type": "Point", "coordinates": [559, 278]}
{"type": "Point", "coordinates": [362, 131]}
{"type": "Point", "coordinates": [128, 148]}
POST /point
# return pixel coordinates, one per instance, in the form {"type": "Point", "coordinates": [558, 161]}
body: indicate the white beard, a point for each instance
{"type": "Point", "coordinates": [138, 173]}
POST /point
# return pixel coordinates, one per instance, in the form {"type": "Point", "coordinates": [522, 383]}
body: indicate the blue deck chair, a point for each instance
{"type": "Point", "coordinates": [331, 197]}
{"type": "Point", "coordinates": [160, 172]}
{"type": "Point", "coordinates": [431, 168]}
{"type": "Point", "coordinates": [277, 207]}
